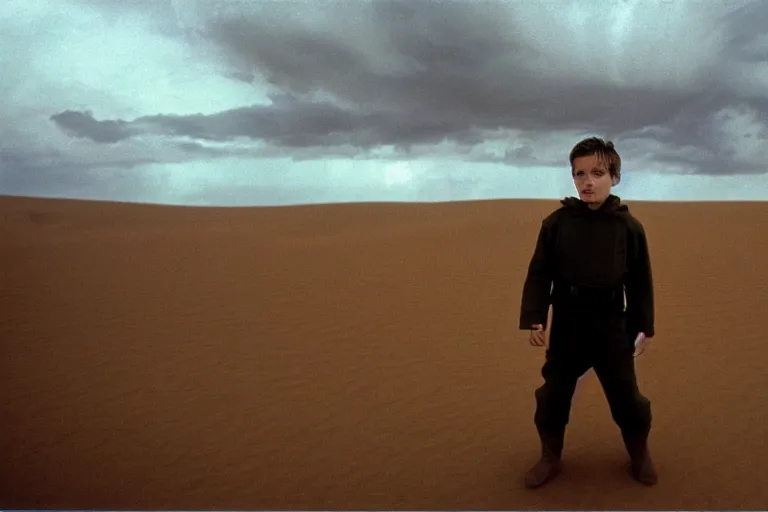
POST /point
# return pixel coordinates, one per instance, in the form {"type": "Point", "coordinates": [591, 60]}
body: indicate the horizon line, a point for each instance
{"type": "Point", "coordinates": [372, 203]}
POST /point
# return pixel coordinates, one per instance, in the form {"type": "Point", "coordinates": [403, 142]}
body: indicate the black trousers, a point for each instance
{"type": "Point", "coordinates": [585, 336]}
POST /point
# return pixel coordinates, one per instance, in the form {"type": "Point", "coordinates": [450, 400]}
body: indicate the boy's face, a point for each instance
{"type": "Point", "coordinates": [592, 179]}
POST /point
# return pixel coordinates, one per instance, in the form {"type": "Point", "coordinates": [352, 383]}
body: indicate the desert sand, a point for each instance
{"type": "Point", "coordinates": [355, 356]}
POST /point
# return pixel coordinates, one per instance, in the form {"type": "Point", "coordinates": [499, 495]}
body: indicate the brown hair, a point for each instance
{"type": "Point", "coordinates": [604, 151]}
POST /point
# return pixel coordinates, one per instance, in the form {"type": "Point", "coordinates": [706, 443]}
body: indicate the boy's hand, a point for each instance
{"type": "Point", "coordinates": [537, 336]}
{"type": "Point", "coordinates": [640, 343]}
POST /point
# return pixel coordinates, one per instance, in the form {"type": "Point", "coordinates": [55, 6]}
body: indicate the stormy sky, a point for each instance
{"type": "Point", "coordinates": [240, 102]}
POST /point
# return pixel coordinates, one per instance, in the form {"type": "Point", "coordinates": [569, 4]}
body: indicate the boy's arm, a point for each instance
{"type": "Point", "coordinates": [639, 286]}
{"type": "Point", "coordinates": [534, 306]}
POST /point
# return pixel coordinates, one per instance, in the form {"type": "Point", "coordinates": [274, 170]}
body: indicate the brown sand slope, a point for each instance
{"type": "Point", "coordinates": [354, 356]}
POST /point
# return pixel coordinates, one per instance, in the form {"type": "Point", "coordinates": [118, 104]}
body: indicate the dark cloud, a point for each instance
{"type": "Point", "coordinates": [405, 73]}
{"type": "Point", "coordinates": [458, 69]}
{"type": "Point", "coordinates": [82, 124]}
{"type": "Point", "coordinates": [288, 122]}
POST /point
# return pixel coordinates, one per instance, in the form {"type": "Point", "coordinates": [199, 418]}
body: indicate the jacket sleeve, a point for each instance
{"type": "Point", "coordinates": [639, 286]}
{"type": "Point", "coordinates": [534, 306]}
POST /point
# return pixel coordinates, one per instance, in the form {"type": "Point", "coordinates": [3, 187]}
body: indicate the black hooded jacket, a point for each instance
{"type": "Point", "coordinates": [578, 246]}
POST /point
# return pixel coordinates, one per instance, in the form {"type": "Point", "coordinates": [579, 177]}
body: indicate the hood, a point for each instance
{"type": "Point", "coordinates": [612, 204]}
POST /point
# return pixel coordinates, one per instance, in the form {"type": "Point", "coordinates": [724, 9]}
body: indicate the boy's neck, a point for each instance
{"type": "Point", "coordinates": [597, 206]}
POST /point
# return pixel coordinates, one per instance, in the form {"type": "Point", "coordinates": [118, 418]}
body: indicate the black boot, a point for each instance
{"type": "Point", "coordinates": [548, 465]}
{"type": "Point", "coordinates": [641, 465]}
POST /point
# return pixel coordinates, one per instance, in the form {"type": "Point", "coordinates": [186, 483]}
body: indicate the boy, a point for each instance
{"type": "Point", "coordinates": [591, 255]}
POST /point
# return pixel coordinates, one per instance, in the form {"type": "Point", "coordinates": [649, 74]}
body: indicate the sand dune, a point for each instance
{"type": "Point", "coordinates": [361, 356]}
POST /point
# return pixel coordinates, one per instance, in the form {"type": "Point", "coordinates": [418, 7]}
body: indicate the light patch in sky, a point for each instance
{"type": "Point", "coordinates": [397, 174]}
{"type": "Point", "coordinates": [744, 136]}
{"type": "Point", "coordinates": [121, 69]}
{"type": "Point", "coordinates": [592, 41]}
